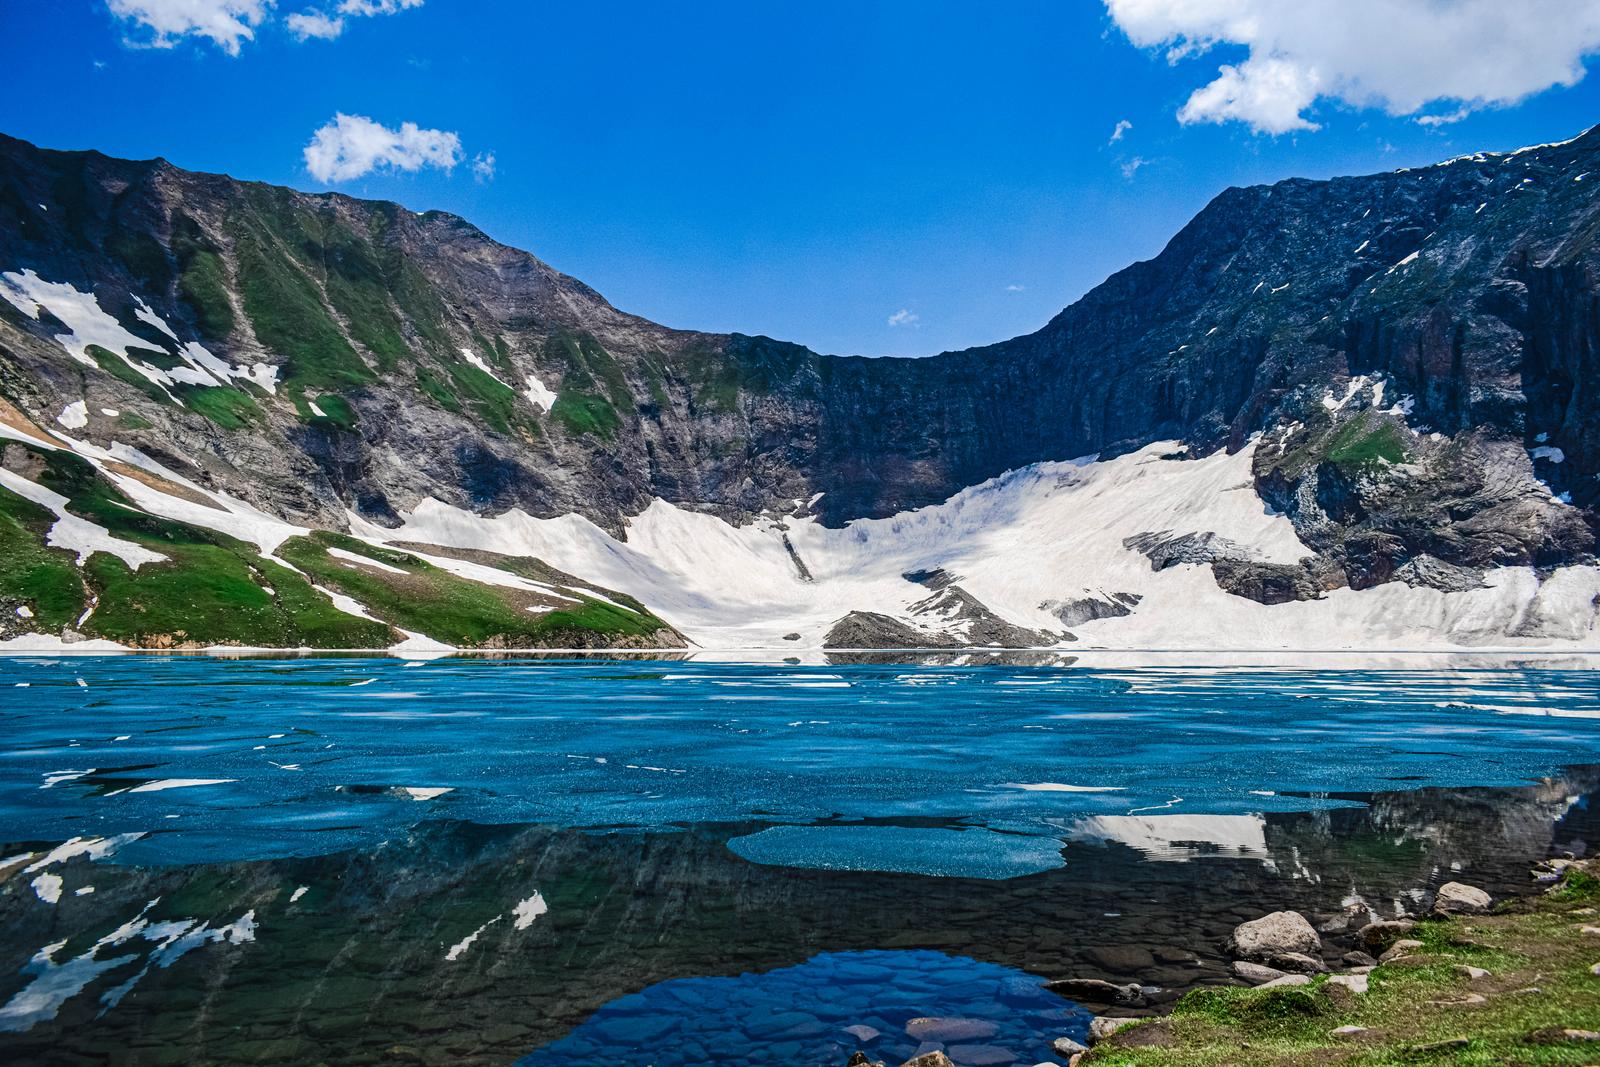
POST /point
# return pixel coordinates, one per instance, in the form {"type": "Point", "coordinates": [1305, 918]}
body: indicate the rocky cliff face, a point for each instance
{"type": "Point", "coordinates": [1416, 349]}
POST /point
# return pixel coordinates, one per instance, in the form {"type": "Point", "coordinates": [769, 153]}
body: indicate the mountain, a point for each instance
{"type": "Point", "coordinates": [1329, 412]}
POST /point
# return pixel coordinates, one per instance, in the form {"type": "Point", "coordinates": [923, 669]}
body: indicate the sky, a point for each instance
{"type": "Point", "coordinates": [872, 177]}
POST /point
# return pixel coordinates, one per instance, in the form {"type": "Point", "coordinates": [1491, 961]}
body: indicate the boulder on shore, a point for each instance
{"type": "Point", "coordinates": [1381, 935]}
{"type": "Point", "coordinates": [1103, 1026]}
{"type": "Point", "coordinates": [1455, 898]}
{"type": "Point", "coordinates": [1254, 973]}
{"type": "Point", "coordinates": [1276, 934]}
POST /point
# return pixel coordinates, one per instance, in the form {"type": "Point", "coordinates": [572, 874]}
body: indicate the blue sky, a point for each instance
{"type": "Point", "coordinates": [808, 171]}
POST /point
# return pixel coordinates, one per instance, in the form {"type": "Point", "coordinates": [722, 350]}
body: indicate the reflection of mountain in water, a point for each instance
{"type": "Point", "coordinates": [459, 942]}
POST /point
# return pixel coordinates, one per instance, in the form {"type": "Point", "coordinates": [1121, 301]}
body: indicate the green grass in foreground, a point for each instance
{"type": "Point", "coordinates": [1539, 984]}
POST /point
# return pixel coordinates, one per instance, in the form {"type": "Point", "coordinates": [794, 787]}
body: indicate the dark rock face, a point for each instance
{"type": "Point", "coordinates": [1467, 290]}
{"type": "Point", "coordinates": [1078, 611]}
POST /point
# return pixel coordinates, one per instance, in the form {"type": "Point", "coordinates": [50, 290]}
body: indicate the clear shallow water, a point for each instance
{"type": "Point", "coordinates": [895, 1004]}
{"type": "Point", "coordinates": [296, 860]}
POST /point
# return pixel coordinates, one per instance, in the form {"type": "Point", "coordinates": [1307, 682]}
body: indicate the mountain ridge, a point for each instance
{"type": "Point", "coordinates": [1411, 373]}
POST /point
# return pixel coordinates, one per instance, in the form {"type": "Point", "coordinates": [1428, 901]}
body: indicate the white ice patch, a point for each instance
{"type": "Point", "coordinates": [47, 887]}
{"type": "Point", "coordinates": [298, 893]}
{"type": "Point", "coordinates": [528, 910]}
{"type": "Point", "coordinates": [163, 784]}
{"type": "Point", "coordinates": [76, 534]}
{"type": "Point", "coordinates": [538, 394]}
{"type": "Point", "coordinates": [430, 792]}
{"type": "Point", "coordinates": [1549, 452]}
{"type": "Point", "coordinates": [1058, 787]}
{"type": "Point", "coordinates": [74, 416]}
{"type": "Point", "coordinates": [24, 612]}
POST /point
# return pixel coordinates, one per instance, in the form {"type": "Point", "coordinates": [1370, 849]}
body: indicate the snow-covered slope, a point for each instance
{"type": "Point", "coordinates": [1051, 532]}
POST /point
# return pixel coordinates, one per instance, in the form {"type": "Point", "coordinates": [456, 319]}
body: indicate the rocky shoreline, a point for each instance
{"type": "Point", "coordinates": [1337, 953]}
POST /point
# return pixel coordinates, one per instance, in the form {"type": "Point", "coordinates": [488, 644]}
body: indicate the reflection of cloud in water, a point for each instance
{"type": "Point", "coordinates": [1180, 837]}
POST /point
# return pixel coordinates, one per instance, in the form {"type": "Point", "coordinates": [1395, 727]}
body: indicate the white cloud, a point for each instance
{"type": "Point", "coordinates": [1131, 167]}
{"type": "Point", "coordinates": [224, 23]}
{"type": "Point", "coordinates": [1123, 127]}
{"type": "Point", "coordinates": [376, 7]}
{"type": "Point", "coordinates": [483, 167]}
{"type": "Point", "coordinates": [352, 145]}
{"type": "Point", "coordinates": [902, 318]}
{"type": "Point", "coordinates": [1399, 55]}
{"type": "Point", "coordinates": [1015, 288]}
{"type": "Point", "coordinates": [314, 24]}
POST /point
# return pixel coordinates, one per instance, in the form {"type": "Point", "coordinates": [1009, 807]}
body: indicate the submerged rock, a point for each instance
{"type": "Point", "coordinates": [1097, 991]}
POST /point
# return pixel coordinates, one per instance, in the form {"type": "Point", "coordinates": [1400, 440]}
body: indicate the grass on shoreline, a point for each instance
{"type": "Point", "coordinates": [1424, 1008]}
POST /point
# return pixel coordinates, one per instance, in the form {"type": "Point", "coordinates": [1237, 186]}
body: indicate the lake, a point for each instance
{"type": "Point", "coordinates": [647, 861]}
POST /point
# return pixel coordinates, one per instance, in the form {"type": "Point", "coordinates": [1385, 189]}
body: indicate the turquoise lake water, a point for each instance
{"type": "Point", "coordinates": [471, 859]}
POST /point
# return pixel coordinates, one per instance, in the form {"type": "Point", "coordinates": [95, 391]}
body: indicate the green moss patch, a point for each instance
{"type": "Point", "coordinates": [230, 408]}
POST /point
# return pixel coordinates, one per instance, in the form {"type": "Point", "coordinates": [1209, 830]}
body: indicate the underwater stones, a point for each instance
{"type": "Point", "coordinates": [1455, 898]}
{"type": "Point", "coordinates": [1097, 991]}
{"type": "Point", "coordinates": [1275, 934]}
{"type": "Point", "coordinates": [863, 1033]}
{"type": "Point", "coordinates": [929, 1059]}
{"type": "Point", "coordinates": [1122, 959]}
{"type": "Point", "coordinates": [949, 1030]}
{"type": "Point", "coordinates": [981, 1055]}
{"type": "Point", "coordinates": [637, 1030]}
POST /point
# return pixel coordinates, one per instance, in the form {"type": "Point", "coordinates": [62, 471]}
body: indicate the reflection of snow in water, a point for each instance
{"type": "Point", "coordinates": [1180, 837]}
{"type": "Point", "coordinates": [55, 982]}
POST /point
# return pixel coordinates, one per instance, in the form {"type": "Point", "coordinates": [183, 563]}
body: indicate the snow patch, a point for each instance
{"type": "Point", "coordinates": [74, 416]}
{"type": "Point", "coordinates": [539, 395]}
